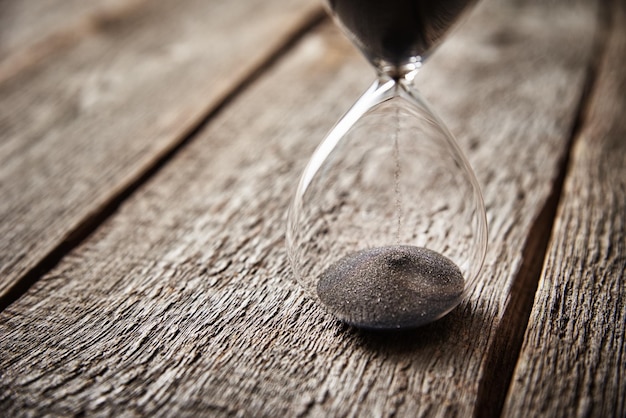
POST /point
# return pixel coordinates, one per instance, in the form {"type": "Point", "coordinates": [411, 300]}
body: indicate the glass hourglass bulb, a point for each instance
{"type": "Point", "coordinates": [388, 227]}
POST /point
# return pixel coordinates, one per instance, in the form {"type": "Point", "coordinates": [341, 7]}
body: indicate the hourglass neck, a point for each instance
{"type": "Point", "coordinates": [399, 74]}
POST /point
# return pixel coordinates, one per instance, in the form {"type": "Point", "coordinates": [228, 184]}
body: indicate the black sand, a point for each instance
{"type": "Point", "coordinates": [391, 287]}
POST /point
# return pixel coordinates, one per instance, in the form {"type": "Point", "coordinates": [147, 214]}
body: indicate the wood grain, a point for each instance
{"type": "Point", "coordinates": [33, 29]}
{"type": "Point", "coordinates": [573, 361]}
{"type": "Point", "coordinates": [81, 126]}
{"type": "Point", "coordinates": [183, 302]}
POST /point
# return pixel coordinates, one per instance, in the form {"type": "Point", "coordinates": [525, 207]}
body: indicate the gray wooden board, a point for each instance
{"type": "Point", "coordinates": [78, 127]}
{"type": "Point", "coordinates": [573, 361]}
{"type": "Point", "coordinates": [32, 29]}
{"type": "Point", "coordinates": [183, 302]}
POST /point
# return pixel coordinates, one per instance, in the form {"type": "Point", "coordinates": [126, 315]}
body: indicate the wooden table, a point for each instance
{"type": "Point", "coordinates": [148, 153]}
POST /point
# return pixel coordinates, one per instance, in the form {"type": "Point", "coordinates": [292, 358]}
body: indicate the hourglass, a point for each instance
{"type": "Point", "coordinates": [387, 228]}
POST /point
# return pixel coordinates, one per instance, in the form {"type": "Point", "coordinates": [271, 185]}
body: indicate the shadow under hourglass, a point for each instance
{"type": "Point", "coordinates": [454, 332]}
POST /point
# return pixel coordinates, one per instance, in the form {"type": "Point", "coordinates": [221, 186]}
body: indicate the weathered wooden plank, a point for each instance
{"type": "Point", "coordinates": [573, 361]}
{"type": "Point", "coordinates": [182, 303]}
{"type": "Point", "coordinates": [82, 125]}
{"type": "Point", "coordinates": [32, 29]}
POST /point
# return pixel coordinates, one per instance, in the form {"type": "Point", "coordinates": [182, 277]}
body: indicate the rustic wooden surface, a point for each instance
{"type": "Point", "coordinates": [80, 127]}
{"type": "Point", "coordinates": [32, 30]}
{"type": "Point", "coordinates": [573, 361]}
{"type": "Point", "coordinates": [182, 303]}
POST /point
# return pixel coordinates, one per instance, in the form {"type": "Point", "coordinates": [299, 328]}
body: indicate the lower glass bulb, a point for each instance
{"type": "Point", "coordinates": [388, 229]}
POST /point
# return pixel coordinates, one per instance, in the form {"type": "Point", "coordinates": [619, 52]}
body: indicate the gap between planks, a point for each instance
{"type": "Point", "coordinates": [91, 222]}
{"type": "Point", "coordinates": [502, 356]}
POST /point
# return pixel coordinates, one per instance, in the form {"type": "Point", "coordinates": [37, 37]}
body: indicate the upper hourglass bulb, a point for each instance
{"type": "Point", "coordinates": [396, 35]}
{"type": "Point", "coordinates": [388, 227]}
